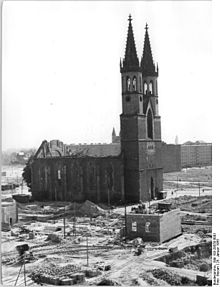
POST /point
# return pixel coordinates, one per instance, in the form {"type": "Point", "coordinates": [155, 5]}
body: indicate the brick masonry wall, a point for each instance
{"type": "Point", "coordinates": [77, 179]}
{"type": "Point", "coordinates": [162, 227]}
{"type": "Point", "coordinates": [171, 157]}
{"type": "Point", "coordinates": [170, 225]}
{"type": "Point", "coordinates": [141, 219]}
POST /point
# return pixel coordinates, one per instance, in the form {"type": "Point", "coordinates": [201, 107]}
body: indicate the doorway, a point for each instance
{"type": "Point", "coordinates": [152, 187]}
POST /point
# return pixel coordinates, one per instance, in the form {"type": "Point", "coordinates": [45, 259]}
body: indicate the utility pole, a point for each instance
{"type": "Point", "coordinates": [108, 206]}
{"type": "Point", "coordinates": [74, 219]}
{"type": "Point", "coordinates": [177, 187]}
{"type": "Point", "coordinates": [108, 199]}
{"type": "Point", "coordinates": [24, 271]}
{"type": "Point", "coordinates": [125, 222]}
{"type": "Point", "coordinates": [64, 224]}
{"type": "Point", "coordinates": [199, 188]}
{"type": "Point", "coordinates": [87, 250]}
{"type": "Point", "coordinates": [22, 186]}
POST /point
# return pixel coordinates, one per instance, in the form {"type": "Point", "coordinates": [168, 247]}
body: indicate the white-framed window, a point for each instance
{"type": "Point", "coordinates": [134, 84]}
{"type": "Point", "coordinates": [145, 88]}
{"type": "Point", "coordinates": [134, 226]}
{"type": "Point", "coordinates": [147, 226]}
{"type": "Point", "coordinates": [128, 84]}
{"type": "Point", "coordinates": [151, 87]}
{"type": "Point", "coordinates": [58, 174]}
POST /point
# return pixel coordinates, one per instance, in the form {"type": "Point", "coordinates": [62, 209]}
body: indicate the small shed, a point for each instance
{"type": "Point", "coordinates": [157, 227]}
{"type": "Point", "coordinates": [9, 212]}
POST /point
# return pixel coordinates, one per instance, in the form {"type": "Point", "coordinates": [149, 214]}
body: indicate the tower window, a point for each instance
{"type": "Point", "coordinates": [140, 85]}
{"type": "Point", "coordinates": [151, 87]}
{"type": "Point", "coordinates": [145, 88]}
{"type": "Point", "coordinates": [149, 125]}
{"type": "Point", "coordinates": [128, 84]}
{"type": "Point", "coordinates": [134, 84]}
{"type": "Point", "coordinates": [128, 98]}
{"type": "Point", "coordinates": [58, 174]}
{"type": "Point", "coordinates": [140, 99]}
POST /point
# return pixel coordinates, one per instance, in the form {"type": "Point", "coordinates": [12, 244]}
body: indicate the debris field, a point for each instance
{"type": "Point", "coordinates": [83, 244]}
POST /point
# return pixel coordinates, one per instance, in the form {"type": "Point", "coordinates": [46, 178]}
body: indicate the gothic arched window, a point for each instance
{"type": "Point", "coordinates": [145, 88]}
{"type": "Point", "coordinates": [151, 87]}
{"type": "Point", "coordinates": [128, 82]}
{"type": "Point", "coordinates": [149, 124]}
{"type": "Point", "coordinates": [140, 84]}
{"type": "Point", "coordinates": [134, 84]}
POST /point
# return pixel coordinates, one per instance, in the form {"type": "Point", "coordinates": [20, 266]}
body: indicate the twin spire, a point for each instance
{"type": "Point", "coordinates": [131, 61]}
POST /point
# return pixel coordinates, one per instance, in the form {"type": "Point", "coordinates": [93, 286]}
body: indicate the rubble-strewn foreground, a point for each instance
{"type": "Point", "coordinates": [83, 244]}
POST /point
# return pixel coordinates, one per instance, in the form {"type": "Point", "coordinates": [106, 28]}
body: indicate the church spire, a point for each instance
{"type": "Point", "coordinates": [130, 62]}
{"type": "Point", "coordinates": [147, 63]}
{"type": "Point", "coordinates": [113, 132]}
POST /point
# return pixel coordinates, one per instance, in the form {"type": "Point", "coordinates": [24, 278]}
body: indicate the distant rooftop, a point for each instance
{"type": "Point", "coordinates": [200, 142]}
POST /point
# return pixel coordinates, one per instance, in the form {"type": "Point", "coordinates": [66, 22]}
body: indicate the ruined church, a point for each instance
{"type": "Point", "coordinates": [114, 173]}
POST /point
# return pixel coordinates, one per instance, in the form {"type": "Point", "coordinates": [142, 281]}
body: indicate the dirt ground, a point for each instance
{"type": "Point", "coordinates": [91, 246]}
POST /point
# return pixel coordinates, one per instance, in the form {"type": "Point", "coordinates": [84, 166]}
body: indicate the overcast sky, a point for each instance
{"type": "Point", "coordinates": [61, 77]}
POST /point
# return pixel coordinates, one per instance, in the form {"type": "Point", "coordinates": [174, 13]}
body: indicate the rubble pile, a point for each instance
{"type": "Point", "coordinates": [91, 209]}
{"type": "Point", "coordinates": [69, 274]}
{"type": "Point", "coordinates": [169, 277]}
{"type": "Point", "coordinates": [151, 280]}
{"type": "Point", "coordinates": [195, 257]}
{"type": "Point", "coordinates": [108, 282]}
{"type": "Point", "coordinates": [57, 275]}
{"type": "Point", "coordinates": [54, 238]}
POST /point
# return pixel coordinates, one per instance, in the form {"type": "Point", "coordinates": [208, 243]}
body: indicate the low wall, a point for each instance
{"type": "Point", "coordinates": [141, 219]}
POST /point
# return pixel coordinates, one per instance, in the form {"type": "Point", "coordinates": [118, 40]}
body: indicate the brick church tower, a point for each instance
{"type": "Point", "coordinates": [140, 123]}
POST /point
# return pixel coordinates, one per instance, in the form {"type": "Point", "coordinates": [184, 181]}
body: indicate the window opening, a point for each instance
{"type": "Point", "coordinates": [149, 125]}
{"type": "Point", "coordinates": [145, 88]}
{"type": "Point", "coordinates": [151, 87]}
{"type": "Point", "coordinates": [128, 84]}
{"type": "Point", "coordinates": [134, 226]}
{"type": "Point", "coordinates": [134, 84]}
{"type": "Point", "coordinates": [147, 225]}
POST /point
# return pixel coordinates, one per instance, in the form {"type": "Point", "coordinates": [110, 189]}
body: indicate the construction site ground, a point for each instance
{"type": "Point", "coordinates": [93, 249]}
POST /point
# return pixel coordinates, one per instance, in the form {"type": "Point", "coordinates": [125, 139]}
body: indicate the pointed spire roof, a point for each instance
{"type": "Point", "coordinates": [113, 132]}
{"type": "Point", "coordinates": [147, 63]}
{"type": "Point", "coordinates": [130, 62]}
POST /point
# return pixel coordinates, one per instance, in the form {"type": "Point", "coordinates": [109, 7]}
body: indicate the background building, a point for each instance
{"type": "Point", "coordinates": [196, 154]}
